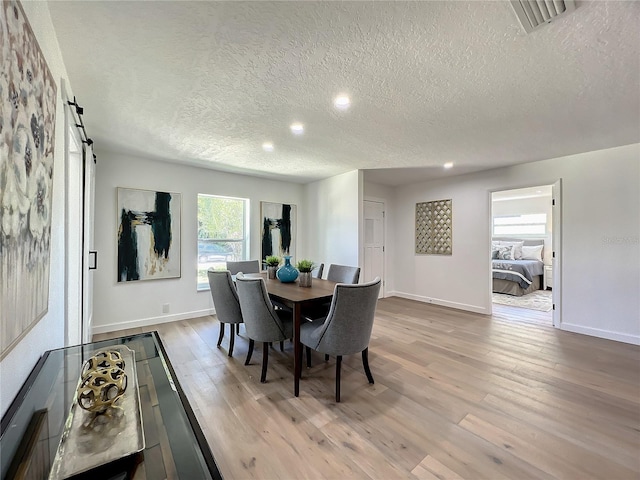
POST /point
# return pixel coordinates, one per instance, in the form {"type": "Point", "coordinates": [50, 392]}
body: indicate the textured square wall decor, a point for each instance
{"type": "Point", "coordinates": [434, 227]}
{"type": "Point", "coordinates": [27, 143]}
{"type": "Point", "coordinates": [148, 235]}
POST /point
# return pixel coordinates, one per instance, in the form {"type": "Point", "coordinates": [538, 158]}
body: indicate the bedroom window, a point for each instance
{"type": "Point", "coordinates": [530, 224]}
{"type": "Point", "coordinates": [223, 233]}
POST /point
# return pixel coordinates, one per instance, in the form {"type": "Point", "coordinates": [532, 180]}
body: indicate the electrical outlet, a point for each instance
{"type": "Point", "coordinates": [165, 308]}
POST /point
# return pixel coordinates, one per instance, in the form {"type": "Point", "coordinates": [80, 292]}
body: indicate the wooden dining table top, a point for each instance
{"type": "Point", "coordinates": [320, 289]}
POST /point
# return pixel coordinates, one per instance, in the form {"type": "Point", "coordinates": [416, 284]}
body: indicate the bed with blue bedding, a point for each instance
{"type": "Point", "coordinates": [517, 276]}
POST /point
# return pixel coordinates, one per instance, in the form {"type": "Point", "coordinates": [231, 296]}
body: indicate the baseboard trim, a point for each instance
{"type": "Point", "coordinates": [597, 332]}
{"type": "Point", "coordinates": [442, 303]}
{"type": "Point", "coordinates": [143, 322]}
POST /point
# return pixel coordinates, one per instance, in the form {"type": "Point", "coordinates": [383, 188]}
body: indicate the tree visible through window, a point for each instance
{"type": "Point", "coordinates": [222, 233]}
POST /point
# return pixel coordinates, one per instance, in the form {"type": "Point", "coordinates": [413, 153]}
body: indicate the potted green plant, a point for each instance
{"type": "Point", "coordinates": [305, 267]}
{"type": "Point", "coordinates": [272, 262]}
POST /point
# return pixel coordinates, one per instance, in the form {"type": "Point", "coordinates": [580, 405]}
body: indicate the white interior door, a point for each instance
{"type": "Point", "coordinates": [89, 255]}
{"type": "Point", "coordinates": [374, 242]}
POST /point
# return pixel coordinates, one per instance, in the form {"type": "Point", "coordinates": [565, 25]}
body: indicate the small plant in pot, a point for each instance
{"type": "Point", "coordinates": [272, 262]}
{"type": "Point", "coordinates": [305, 268]}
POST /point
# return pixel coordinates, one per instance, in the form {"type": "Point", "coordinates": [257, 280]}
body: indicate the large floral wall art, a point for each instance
{"type": "Point", "coordinates": [27, 123]}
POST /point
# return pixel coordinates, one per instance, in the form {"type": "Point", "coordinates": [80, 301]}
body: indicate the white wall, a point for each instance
{"type": "Point", "coordinates": [130, 304]}
{"type": "Point", "coordinates": [48, 333]}
{"type": "Point", "coordinates": [600, 239]}
{"type": "Point", "coordinates": [333, 208]}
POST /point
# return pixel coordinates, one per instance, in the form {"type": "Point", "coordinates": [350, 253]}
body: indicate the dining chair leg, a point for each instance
{"type": "Point", "coordinates": [326, 357]}
{"type": "Point", "coordinates": [365, 364]}
{"type": "Point", "coordinates": [265, 362]}
{"type": "Point", "coordinates": [282, 346]}
{"type": "Point", "coordinates": [232, 338]}
{"type": "Point", "coordinates": [338, 365]}
{"type": "Point", "coordinates": [308, 351]}
{"type": "Point", "coordinates": [249, 352]}
{"type": "Point", "coordinates": [221, 333]}
{"type": "Point", "coordinates": [238, 328]}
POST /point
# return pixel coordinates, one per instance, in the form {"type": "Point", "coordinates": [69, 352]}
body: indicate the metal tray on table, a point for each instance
{"type": "Point", "coordinates": [86, 444]}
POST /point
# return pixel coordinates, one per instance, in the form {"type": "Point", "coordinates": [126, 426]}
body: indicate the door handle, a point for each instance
{"type": "Point", "coordinates": [93, 255]}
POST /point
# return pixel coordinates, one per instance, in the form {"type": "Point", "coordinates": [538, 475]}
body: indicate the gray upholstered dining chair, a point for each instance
{"type": "Point", "coordinates": [244, 266]}
{"type": "Point", "coordinates": [346, 330]}
{"type": "Point", "coordinates": [338, 274]}
{"type": "Point", "coordinates": [261, 321]}
{"type": "Point", "coordinates": [317, 272]}
{"type": "Point", "coordinates": [225, 302]}
{"type": "Point", "coordinates": [343, 274]}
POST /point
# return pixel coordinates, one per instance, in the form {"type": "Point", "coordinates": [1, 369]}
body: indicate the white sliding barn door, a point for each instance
{"type": "Point", "coordinates": [79, 213]}
{"type": "Point", "coordinates": [73, 240]}
{"type": "Point", "coordinates": [89, 255]}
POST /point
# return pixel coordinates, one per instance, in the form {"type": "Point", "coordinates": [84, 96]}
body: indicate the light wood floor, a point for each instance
{"type": "Point", "coordinates": [457, 395]}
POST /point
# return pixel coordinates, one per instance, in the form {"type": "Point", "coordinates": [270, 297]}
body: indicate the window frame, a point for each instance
{"type": "Point", "coordinates": [246, 233]}
{"type": "Point", "coordinates": [525, 225]}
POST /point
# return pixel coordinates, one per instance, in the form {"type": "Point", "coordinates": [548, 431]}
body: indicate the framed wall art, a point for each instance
{"type": "Point", "coordinates": [148, 235]}
{"type": "Point", "coordinates": [434, 227]}
{"type": "Point", "coordinates": [278, 229]}
{"type": "Point", "coordinates": [27, 144]}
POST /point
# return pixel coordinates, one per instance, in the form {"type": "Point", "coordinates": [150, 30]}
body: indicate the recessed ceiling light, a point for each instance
{"type": "Point", "coordinates": [267, 146]}
{"type": "Point", "coordinates": [448, 165]}
{"type": "Point", "coordinates": [297, 128]}
{"type": "Point", "coordinates": [342, 102]}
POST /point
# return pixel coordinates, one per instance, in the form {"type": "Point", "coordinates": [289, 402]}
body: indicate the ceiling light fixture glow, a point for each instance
{"type": "Point", "coordinates": [297, 128]}
{"type": "Point", "coordinates": [267, 146]}
{"type": "Point", "coordinates": [342, 102]}
{"type": "Point", "coordinates": [448, 165]}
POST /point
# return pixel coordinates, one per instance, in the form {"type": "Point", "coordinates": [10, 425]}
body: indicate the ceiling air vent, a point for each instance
{"type": "Point", "coordinates": [535, 13]}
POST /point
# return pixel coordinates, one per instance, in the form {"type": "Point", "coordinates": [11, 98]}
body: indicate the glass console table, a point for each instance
{"type": "Point", "coordinates": [175, 446]}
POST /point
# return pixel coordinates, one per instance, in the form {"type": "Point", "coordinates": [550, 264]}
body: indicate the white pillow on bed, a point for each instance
{"type": "Point", "coordinates": [517, 251]}
{"type": "Point", "coordinates": [505, 252]}
{"type": "Point", "coordinates": [533, 252]}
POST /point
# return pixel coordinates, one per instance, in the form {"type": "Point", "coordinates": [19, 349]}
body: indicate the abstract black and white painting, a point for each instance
{"type": "Point", "coordinates": [148, 235]}
{"type": "Point", "coordinates": [278, 229]}
{"type": "Point", "coordinates": [27, 145]}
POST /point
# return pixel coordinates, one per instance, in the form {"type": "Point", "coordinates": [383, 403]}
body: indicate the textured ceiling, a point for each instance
{"type": "Point", "coordinates": [207, 83]}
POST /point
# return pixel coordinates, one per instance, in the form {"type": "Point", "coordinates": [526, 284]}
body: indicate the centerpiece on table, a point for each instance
{"type": "Point", "coordinates": [272, 262]}
{"type": "Point", "coordinates": [305, 267]}
{"type": "Point", "coordinates": [287, 273]}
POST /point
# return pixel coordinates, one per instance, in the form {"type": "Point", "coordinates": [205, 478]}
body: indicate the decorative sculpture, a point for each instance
{"type": "Point", "coordinates": [103, 382]}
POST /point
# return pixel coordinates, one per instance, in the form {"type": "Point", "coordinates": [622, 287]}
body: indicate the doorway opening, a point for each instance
{"type": "Point", "coordinates": [523, 252]}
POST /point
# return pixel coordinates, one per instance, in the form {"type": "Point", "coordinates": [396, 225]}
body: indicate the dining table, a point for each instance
{"type": "Point", "coordinates": [298, 299]}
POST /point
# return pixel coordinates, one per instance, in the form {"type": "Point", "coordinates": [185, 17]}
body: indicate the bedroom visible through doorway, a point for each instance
{"type": "Point", "coordinates": [522, 251]}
